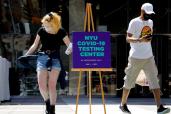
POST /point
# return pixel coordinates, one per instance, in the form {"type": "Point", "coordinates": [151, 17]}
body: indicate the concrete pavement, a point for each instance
{"type": "Point", "coordinates": [66, 105]}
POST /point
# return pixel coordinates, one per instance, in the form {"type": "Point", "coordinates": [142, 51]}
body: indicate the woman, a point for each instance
{"type": "Point", "coordinates": [50, 36]}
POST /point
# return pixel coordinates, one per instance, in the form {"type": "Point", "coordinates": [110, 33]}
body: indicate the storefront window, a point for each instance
{"type": "Point", "coordinates": [109, 83]}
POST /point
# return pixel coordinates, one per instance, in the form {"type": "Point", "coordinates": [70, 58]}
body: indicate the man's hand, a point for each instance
{"type": "Point", "coordinates": [146, 38]}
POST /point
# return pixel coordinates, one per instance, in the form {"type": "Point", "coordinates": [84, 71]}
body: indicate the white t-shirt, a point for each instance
{"type": "Point", "coordinates": [139, 28]}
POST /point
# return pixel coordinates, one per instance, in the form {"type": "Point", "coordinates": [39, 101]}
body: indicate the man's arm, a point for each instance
{"type": "Point", "coordinates": [131, 39]}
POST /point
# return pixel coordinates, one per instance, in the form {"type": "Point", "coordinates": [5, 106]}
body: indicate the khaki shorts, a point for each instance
{"type": "Point", "coordinates": [135, 66]}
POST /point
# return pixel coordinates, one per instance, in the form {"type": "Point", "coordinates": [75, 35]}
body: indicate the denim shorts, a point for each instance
{"type": "Point", "coordinates": [42, 63]}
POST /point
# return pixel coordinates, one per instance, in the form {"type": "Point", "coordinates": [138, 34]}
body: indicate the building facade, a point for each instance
{"type": "Point", "coordinates": [18, 31]}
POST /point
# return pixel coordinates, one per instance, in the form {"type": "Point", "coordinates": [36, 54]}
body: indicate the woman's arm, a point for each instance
{"type": "Point", "coordinates": [66, 41]}
{"type": "Point", "coordinates": [34, 46]}
{"type": "Point", "coordinates": [68, 44]}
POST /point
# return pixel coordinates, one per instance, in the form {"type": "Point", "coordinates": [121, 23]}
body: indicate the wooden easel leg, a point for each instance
{"type": "Point", "coordinates": [85, 18]}
{"type": "Point", "coordinates": [91, 15]}
{"type": "Point", "coordinates": [87, 73]}
{"type": "Point", "coordinates": [78, 92]}
{"type": "Point", "coordinates": [90, 90]}
{"type": "Point", "coordinates": [88, 5]}
{"type": "Point", "coordinates": [101, 84]}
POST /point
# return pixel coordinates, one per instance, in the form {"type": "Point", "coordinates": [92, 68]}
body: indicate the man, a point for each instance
{"type": "Point", "coordinates": [141, 57]}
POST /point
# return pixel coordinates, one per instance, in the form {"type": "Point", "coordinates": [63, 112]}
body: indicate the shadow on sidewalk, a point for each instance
{"type": "Point", "coordinates": [83, 100]}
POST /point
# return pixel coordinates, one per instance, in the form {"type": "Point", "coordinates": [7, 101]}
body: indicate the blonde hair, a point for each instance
{"type": "Point", "coordinates": [53, 20]}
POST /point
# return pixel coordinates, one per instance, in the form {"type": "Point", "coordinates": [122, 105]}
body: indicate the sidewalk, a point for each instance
{"type": "Point", "coordinates": [66, 105]}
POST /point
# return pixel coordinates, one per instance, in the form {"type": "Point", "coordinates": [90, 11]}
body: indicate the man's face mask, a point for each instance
{"type": "Point", "coordinates": [147, 16]}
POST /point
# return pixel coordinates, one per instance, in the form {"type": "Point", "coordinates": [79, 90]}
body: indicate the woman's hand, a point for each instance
{"type": "Point", "coordinates": [68, 44]}
{"type": "Point", "coordinates": [69, 49]}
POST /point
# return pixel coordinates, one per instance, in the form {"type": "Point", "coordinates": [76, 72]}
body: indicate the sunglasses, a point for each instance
{"type": "Point", "coordinates": [51, 17]}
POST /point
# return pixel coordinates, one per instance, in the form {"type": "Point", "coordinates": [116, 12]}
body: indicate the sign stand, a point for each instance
{"type": "Point", "coordinates": [89, 70]}
{"type": "Point", "coordinates": [88, 20]}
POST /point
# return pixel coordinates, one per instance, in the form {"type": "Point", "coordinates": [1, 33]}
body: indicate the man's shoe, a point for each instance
{"type": "Point", "coordinates": [125, 109]}
{"type": "Point", "coordinates": [163, 110]}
